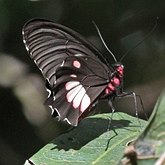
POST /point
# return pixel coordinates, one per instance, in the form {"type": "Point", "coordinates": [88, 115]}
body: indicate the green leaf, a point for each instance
{"type": "Point", "coordinates": [149, 148]}
{"type": "Point", "coordinates": [86, 143]}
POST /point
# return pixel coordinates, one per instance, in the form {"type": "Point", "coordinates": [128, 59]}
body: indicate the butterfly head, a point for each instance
{"type": "Point", "coordinates": [118, 68]}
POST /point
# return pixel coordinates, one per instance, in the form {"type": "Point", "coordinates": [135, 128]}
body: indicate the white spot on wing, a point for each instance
{"type": "Point", "coordinates": [73, 92]}
{"type": "Point", "coordinates": [51, 109]}
{"type": "Point", "coordinates": [85, 103]}
{"type": "Point", "coordinates": [27, 48]}
{"type": "Point", "coordinates": [49, 92]}
{"type": "Point", "coordinates": [39, 68]}
{"type": "Point", "coordinates": [63, 63]}
{"type": "Point", "coordinates": [67, 121]}
{"type": "Point", "coordinates": [77, 95]}
{"type": "Point", "coordinates": [78, 98]}
{"type": "Point", "coordinates": [73, 75]}
{"type": "Point", "coordinates": [71, 84]}
{"type": "Point", "coordinates": [54, 109]}
{"type": "Point", "coordinates": [36, 63]}
{"type": "Point", "coordinates": [24, 41]}
{"type": "Point", "coordinates": [78, 55]}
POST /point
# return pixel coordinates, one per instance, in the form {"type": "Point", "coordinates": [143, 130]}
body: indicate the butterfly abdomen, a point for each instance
{"type": "Point", "coordinates": [115, 80]}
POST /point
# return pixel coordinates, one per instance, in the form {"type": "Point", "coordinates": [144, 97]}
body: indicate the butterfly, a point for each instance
{"type": "Point", "coordinates": [77, 75]}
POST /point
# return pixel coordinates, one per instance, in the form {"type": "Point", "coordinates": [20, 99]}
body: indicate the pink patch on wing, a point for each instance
{"type": "Point", "coordinates": [71, 84]}
{"type": "Point", "coordinates": [76, 64]}
{"type": "Point", "coordinates": [77, 100]}
{"type": "Point", "coordinates": [72, 93]}
{"type": "Point", "coordinates": [85, 103]}
{"type": "Point", "coordinates": [77, 95]}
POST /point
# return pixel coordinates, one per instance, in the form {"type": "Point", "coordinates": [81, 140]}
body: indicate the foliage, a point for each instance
{"type": "Point", "coordinates": [150, 146]}
{"type": "Point", "coordinates": [90, 142]}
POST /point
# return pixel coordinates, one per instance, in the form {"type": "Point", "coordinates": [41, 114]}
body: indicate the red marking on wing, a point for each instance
{"type": "Point", "coordinates": [76, 64]}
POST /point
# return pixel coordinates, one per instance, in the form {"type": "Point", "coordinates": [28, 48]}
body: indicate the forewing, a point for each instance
{"type": "Point", "coordinates": [49, 44]}
{"type": "Point", "coordinates": [72, 67]}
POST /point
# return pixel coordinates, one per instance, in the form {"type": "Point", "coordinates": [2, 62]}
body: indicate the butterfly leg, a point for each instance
{"type": "Point", "coordinates": [109, 124]}
{"type": "Point", "coordinates": [141, 102]}
{"type": "Point", "coordinates": [134, 96]}
{"type": "Point", "coordinates": [110, 119]}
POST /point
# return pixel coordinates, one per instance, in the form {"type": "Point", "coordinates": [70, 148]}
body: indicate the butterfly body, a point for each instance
{"type": "Point", "coordinates": [76, 73]}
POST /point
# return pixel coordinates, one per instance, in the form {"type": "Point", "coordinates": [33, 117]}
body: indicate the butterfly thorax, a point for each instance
{"type": "Point", "coordinates": [116, 79]}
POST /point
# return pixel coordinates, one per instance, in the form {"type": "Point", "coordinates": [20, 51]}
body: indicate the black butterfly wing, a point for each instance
{"type": "Point", "coordinates": [76, 89]}
{"type": "Point", "coordinates": [72, 67]}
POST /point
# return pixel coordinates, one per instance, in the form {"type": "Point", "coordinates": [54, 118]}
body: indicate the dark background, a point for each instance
{"type": "Point", "coordinates": [25, 124]}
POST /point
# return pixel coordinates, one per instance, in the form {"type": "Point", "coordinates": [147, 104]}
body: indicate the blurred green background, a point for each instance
{"type": "Point", "coordinates": [25, 124]}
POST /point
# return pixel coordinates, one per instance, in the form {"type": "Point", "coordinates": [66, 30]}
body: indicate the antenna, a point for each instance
{"type": "Point", "coordinates": [156, 23]}
{"type": "Point", "coordinates": [98, 31]}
